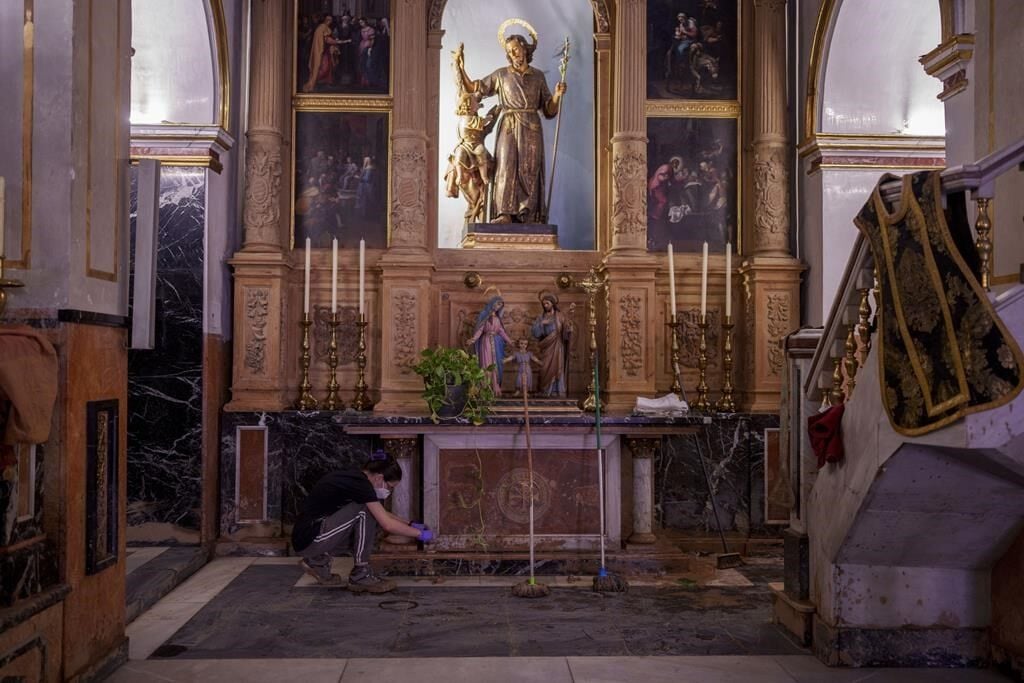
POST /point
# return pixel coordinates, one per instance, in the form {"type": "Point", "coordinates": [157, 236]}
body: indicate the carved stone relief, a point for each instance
{"type": "Point", "coordinates": [262, 191]}
{"type": "Point", "coordinates": [771, 217]}
{"type": "Point", "coordinates": [403, 331]}
{"type": "Point", "coordinates": [631, 346]}
{"type": "Point", "coordinates": [409, 198]}
{"type": "Point", "coordinates": [689, 342]}
{"type": "Point", "coordinates": [402, 447]}
{"type": "Point", "coordinates": [257, 302]}
{"type": "Point", "coordinates": [347, 336]}
{"type": "Point", "coordinates": [642, 448]}
{"type": "Point", "coordinates": [629, 190]}
{"type": "Point", "coordinates": [778, 325]}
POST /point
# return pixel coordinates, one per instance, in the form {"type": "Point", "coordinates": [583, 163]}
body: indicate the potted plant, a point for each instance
{"type": "Point", "coordinates": [454, 384]}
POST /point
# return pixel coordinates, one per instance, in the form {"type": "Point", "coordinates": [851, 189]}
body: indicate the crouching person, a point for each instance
{"type": "Point", "coordinates": [341, 516]}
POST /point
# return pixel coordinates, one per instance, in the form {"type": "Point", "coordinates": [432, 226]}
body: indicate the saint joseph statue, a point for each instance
{"type": "Point", "coordinates": [518, 185]}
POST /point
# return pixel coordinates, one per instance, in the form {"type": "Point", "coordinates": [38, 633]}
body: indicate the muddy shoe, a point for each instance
{"type": "Point", "coordinates": [363, 580]}
{"type": "Point", "coordinates": [322, 575]}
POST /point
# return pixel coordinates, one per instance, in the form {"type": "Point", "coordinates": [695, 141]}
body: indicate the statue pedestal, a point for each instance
{"type": "Point", "coordinates": [510, 236]}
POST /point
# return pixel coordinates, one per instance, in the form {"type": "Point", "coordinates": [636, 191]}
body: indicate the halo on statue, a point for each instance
{"type": "Point", "coordinates": [492, 290]}
{"type": "Point", "coordinates": [519, 22]}
{"type": "Point", "coordinates": [546, 294]}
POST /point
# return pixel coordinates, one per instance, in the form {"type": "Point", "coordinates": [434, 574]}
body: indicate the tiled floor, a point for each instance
{"type": "Point", "coordinates": [261, 619]}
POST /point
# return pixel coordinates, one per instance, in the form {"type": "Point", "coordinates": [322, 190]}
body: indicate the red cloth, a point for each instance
{"type": "Point", "coordinates": [28, 383]}
{"type": "Point", "coordinates": [826, 434]}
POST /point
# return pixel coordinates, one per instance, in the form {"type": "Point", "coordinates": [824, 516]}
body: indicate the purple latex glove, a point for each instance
{"type": "Point", "coordinates": [418, 525]}
{"type": "Point", "coordinates": [426, 535]}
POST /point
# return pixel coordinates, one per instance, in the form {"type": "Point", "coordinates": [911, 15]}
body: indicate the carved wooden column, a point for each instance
{"type": "Point", "coordinates": [404, 449]}
{"type": "Point", "coordinates": [261, 268]}
{"type": "Point", "coordinates": [629, 355]}
{"type": "Point", "coordinates": [405, 268]}
{"type": "Point", "coordinates": [771, 276]}
{"type": "Point", "coordinates": [643, 451]}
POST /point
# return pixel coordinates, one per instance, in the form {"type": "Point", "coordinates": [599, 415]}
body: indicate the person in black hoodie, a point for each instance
{"type": "Point", "coordinates": [341, 516]}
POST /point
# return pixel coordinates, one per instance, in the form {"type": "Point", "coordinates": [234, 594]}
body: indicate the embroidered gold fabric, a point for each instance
{"type": "Point", "coordinates": [943, 351]}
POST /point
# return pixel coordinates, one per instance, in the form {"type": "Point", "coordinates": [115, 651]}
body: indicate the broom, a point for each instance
{"type": "Point", "coordinates": [605, 581]}
{"type": "Point", "coordinates": [529, 588]}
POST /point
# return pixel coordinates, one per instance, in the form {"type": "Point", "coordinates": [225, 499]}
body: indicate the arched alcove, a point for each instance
{"type": "Point", "coordinates": [573, 205]}
{"type": "Point", "coordinates": [176, 68]}
{"type": "Point", "coordinates": [875, 91]}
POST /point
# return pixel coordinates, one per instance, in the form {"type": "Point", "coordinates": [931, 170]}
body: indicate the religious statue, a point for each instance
{"type": "Point", "coordinates": [554, 332]}
{"type": "Point", "coordinates": [524, 373]}
{"type": "Point", "coordinates": [517, 192]}
{"type": "Point", "coordinates": [489, 339]}
{"type": "Point", "coordinates": [470, 165]}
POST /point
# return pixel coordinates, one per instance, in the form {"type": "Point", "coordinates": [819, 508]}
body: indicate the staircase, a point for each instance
{"type": "Point", "coordinates": [900, 540]}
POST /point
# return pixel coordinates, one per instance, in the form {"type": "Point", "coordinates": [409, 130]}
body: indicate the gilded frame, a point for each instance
{"type": "Point", "coordinates": [377, 228]}
{"type": "Point", "coordinates": [297, 71]}
{"type": "Point", "coordinates": [102, 495]}
{"type": "Point", "coordinates": [695, 68]}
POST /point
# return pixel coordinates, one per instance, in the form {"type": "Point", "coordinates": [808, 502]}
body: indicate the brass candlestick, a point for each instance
{"type": "Point", "coordinates": [5, 284]}
{"type": "Point", "coordinates": [306, 399]}
{"type": "Point", "coordinates": [362, 400]}
{"type": "Point", "coordinates": [676, 387]}
{"type": "Point", "coordinates": [726, 403]}
{"type": "Point", "coordinates": [702, 404]}
{"type": "Point", "coordinates": [592, 284]}
{"type": "Point", "coordinates": [334, 401]}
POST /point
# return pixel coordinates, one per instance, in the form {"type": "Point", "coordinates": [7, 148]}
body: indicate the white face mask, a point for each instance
{"type": "Point", "coordinates": [382, 494]}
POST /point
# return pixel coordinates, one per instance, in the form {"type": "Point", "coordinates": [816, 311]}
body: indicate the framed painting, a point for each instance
{"type": "Point", "coordinates": [692, 49]}
{"type": "Point", "coordinates": [692, 177]}
{"type": "Point", "coordinates": [341, 176]}
{"type": "Point", "coordinates": [101, 489]}
{"type": "Point", "coordinates": [343, 47]}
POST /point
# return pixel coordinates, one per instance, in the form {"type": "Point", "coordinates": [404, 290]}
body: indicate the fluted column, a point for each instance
{"type": "Point", "coordinates": [629, 137]}
{"type": "Point", "coordinates": [263, 167]}
{"type": "Point", "coordinates": [404, 450]}
{"type": "Point", "coordinates": [771, 177]}
{"type": "Point", "coordinates": [409, 138]}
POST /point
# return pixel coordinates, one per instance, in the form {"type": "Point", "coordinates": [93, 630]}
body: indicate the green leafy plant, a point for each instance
{"type": "Point", "coordinates": [443, 368]}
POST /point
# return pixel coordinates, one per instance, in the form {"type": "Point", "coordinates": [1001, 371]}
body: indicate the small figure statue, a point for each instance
{"type": "Point", "coordinates": [554, 333]}
{"type": "Point", "coordinates": [489, 338]}
{"type": "Point", "coordinates": [470, 165]}
{"type": "Point", "coordinates": [518, 189]}
{"type": "Point", "coordinates": [524, 373]}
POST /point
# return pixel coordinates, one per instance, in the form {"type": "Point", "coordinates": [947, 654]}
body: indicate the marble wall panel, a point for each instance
{"type": "Point", "coordinates": [165, 383]}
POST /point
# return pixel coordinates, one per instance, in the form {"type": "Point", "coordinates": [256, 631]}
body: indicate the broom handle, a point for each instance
{"type": "Point", "coordinates": [600, 454]}
{"type": "Point", "coordinates": [529, 466]}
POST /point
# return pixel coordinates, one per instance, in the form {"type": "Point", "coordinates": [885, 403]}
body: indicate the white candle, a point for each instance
{"type": "Point", "coordinates": [704, 284]}
{"type": "Point", "coordinates": [305, 289]}
{"type": "Point", "coordinates": [672, 279]}
{"type": "Point", "coordinates": [362, 277]}
{"type": "Point", "coordinates": [3, 214]}
{"type": "Point", "coordinates": [728, 279]}
{"type": "Point", "coordinates": [334, 276]}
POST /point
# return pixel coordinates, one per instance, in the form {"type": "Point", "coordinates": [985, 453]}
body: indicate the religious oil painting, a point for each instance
{"type": "Point", "coordinates": [341, 178]}
{"type": "Point", "coordinates": [692, 49]}
{"type": "Point", "coordinates": [101, 489]}
{"type": "Point", "coordinates": [691, 183]}
{"type": "Point", "coordinates": [343, 47]}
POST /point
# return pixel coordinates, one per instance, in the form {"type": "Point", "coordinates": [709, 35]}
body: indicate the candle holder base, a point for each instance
{"type": "Point", "coordinates": [306, 399]}
{"type": "Point", "coordinates": [676, 326]}
{"type": "Point", "coordinates": [361, 401]}
{"type": "Point", "coordinates": [702, 404]}
{"type": "Point", "coordinates": [726, 404]}
{"type": "Point", "coordinates": [333, 401]}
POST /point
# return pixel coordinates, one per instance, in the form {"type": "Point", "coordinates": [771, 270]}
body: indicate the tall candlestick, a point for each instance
{"type": "Point", "coordinates": [728, 279]}
{"type": "Point", "coordinates": [704, 283]}
{"type": "Point", "coordinates": [362, 276]}
{"type": "Point", "coordinates": [334, 276]}
{"type": "Point", "coordinates": [672, 278]}
{"type": "Point", "coordinates": [305, 289]}
{"type": "Point", "coordinates": [3, 215]}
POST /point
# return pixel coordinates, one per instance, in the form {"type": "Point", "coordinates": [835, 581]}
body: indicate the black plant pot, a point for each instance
{"type": "Point", "coordinates": [454, 401]}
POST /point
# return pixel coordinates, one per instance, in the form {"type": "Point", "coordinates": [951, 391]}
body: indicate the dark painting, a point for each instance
{"type": "Point", "coordinates": [343, 47]}
{"type": "Point", "coordinates": [691, 49]}
{"type": "Point", "coordinates": [341, 178]}
{"type": "Point", "coordinates": [101, 487]}
{"type": "Point", "coordinates": [691, 183]}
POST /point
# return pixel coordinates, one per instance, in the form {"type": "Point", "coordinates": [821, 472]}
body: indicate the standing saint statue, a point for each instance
{"type": "Point", "coordinates": [554, 332]}
{"type": "Point", "coordinates": [517, 193]}
{"type": "Point", "coordinates": [489, 339]}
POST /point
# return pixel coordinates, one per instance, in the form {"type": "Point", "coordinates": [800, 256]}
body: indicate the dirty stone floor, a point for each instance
{"type": "Point", "coordinates": [248, 618]}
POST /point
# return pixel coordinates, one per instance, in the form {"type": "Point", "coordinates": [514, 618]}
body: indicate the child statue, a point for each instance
{"type": "Point", "coordinates": [470, 165]}
{"type": "Point", "coordinates": [524, 373]}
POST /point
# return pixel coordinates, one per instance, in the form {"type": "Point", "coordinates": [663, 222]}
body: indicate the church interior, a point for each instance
{"type": "Point", "coordinates": [726, 299]}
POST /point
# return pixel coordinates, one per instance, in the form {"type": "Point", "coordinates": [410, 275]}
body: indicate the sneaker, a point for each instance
{"type": "Point", "coordinates": [322, 575]}
{"type": "Point", "coordinates": [363, 580]}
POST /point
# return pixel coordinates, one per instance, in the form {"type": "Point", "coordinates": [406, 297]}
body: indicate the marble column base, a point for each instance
{"type": "Point", "coordinates": [641, 539]}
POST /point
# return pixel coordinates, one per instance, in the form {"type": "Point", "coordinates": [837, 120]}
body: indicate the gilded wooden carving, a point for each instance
{"type": "Point", "coordinates": [631, 346]}
{"type": "Point", "coordinates": [257, 301]}
{"type": "Point", "coordinates": [404, 331]}
{"type": "Point", "coordinates": [262, 191]}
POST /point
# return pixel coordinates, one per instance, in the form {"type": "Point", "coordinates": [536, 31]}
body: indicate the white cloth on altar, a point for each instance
{"type": "Point", "coordinates": [669, 404]}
